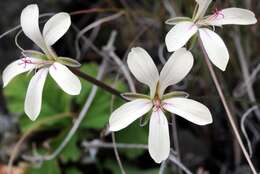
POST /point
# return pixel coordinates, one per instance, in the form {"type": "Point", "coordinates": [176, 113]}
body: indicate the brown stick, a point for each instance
{"type": "Point", "coordinates": [228, 112]}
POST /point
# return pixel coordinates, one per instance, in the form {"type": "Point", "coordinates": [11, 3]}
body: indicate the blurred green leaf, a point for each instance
{"type": "Point", "coordinates": [72, 171]}
{"type": "Point", "coordinates": [54, 101]}
{"type": "Point", "coordinates": [90, 69]}
{"type": "Point", "coordinates": [51, 167]}
{"type": "Point", "coordinates": [99, 111]}
{"type": "Point", "coordinates": [133, 134]}
{"type": "Point", "coordinates": [71, 151]}
{"type": "Point", "coordinates": [113, 166]}
{"type": "Point", "coordinates": [15, 93]}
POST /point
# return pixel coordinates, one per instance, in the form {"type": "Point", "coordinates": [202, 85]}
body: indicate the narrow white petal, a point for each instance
{"type": "Point", "coordinates": [30, 25]}
{"type": "Point", "coordinates": [175, 69]}
{"type": "Point", "coordinates": [159, 140]}
{"type": "Point", "coordinates": [56, 27]}
{"type": "Point", "coordinates": [128, 113]}
{"type": "Point", "coordinates": [191, 110]}
{"type": "Point", "coordinates": [203, 6]}
{"type": "Point", "coordinates": [143, 68]}
{"type": "Point", "coordinates": [215, 48]}
{"type": "Point", "coordinates": [179, 35]}
{"type": "Point", "coordinates": [67, 81]}
{"type": "Point", "coordinates": [33, 99]}
{"type": "Point", "coordinates": [236, 16]}
{"type": "Point", "coordinates": [17, 67]}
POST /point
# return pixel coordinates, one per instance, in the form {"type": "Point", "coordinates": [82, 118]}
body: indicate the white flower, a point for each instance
{"type": "Point", "coordinates": [45, 63]}
{"type": "Point", "coordinates": [185, 28]}
{"type": "Point", "coordinates": [143, 68]}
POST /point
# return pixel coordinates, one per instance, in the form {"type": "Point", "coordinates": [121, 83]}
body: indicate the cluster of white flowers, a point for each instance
{"type": "Point", "coordinates": [175, 69]}
{"type": "Point", "coordinates": [140, 64]}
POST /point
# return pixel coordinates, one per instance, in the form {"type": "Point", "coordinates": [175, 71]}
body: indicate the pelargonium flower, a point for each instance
{"type": "Point", "coordinates": [186, 27]}
{"type": "Point", "coordinates": [143, 68]}
{"type": "Point", "coordinates": [43, 63]}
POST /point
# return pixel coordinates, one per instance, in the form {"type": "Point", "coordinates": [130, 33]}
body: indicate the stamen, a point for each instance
{"type": "Point", "coordinates": [25, 61]}
{"type": "Point", "coordinates": [157, 105]}
{"type": "Point", "coordinates": [216, 14]}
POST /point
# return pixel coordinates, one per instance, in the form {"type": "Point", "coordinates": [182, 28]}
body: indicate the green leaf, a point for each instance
{"type": "Point", "coordinates": [71, 151]}
{"type": "Point", "coordinates": [54, 101]}
{"type": "Point", "coordinates": [113, 166]}
{"type": "Point", "coordinates": [99, 111]}
{"type": "Point", "coordinates": [73, 171]}
{"type": "Point", "coordinates": [90, 69]}
{"type": "Point", "coordinates": [47, 167]}
{"type": "Point", "coordinates": [133, 134]}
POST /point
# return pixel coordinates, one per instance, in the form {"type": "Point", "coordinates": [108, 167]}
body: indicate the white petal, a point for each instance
{"type": "Point", "coordinates": [175, 69]}
{"type": "Point", "coordinates": [143, 68]}
{"type": "Point", "coordinates": [67, 81]}
{"type": "Point", "coordinates": [215, 48]}
{"type": "Point", "coordinates": [33, 99]}
{"type": "Point", "coordinates": [191, 110]}
{"type": "Point", "coordinates": [236, 16]}
{"type": "Point", "coordinates": [30, 25]}
{"type": "Point", "coordinates": [56, 27]}
{"type": "Point", "coordinates": [203, 6]}
{"type": "Point", "coordinates": [128, 113]}
{"type": "Point", "coordinates": [17, 67]}
{"type": "Point", "coordinates": [159, 140]}
{"type": "Point", "coordinates": [179, 35]}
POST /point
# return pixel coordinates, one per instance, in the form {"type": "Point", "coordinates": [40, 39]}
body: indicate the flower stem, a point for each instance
{"type": "Point", "coordinates": [97, 82]}
{"type": "Point", "coordinates": [228, 112]}
{"type": "Point", "coordinates": [176, 141]}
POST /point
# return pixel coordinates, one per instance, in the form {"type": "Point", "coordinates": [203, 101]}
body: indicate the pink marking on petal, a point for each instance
{"type": "Point", "coordinates": [25, 61]}
{"type": "Point", "coordinates": [217, 14]}
{"type": "Point", "coordinates": [54, 67]}
{"type": "Point", "coordinates": [191, 26]}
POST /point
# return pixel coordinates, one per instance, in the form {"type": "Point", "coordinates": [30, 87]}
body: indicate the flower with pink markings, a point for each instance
{"type": "Point", "coordinates": [186, 27]}
{"type": "Point", "coordinates": [43, 63]}
{"type": "Point", "coordinates": [143, 68]}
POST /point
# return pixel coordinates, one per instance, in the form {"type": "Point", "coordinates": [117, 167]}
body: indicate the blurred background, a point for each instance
{"type": "Point", "coordinates": [116, 26]}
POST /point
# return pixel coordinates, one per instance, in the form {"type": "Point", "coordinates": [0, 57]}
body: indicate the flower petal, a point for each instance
{"type": "Point", "coordinates": [203, 6]}
{"type": "Point", "coordinates": [191, 110]}
{"type": "Point", "coordinates": [67, 81]}
{"type": "Point", "coordinates": [17, 67]}
{"type": "Point", "coordinates": [30, 25]}
{"type": "Point", "coordinates": [56, 27]}
{"type": "Point", "coordinates": [33, 99]}
{"type": "Point", "coordinates": [175, 69]}
{"type": "Point", "coordinates": [179, 35]}
{"type": "Point", "coordinates": [236, 16]}
{"type": "Point", "coordinates": [159, 140]}
{"type": "Point", "coordinates": [215, 48]}
{"type": "Point", "coordinates": [128, 113]}
{"type": "Point", "coordinates": [143, 68]}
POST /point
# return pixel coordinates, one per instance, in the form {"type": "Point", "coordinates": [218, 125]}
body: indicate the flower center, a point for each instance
{"type": "Point", "coordinates": [25, 61]}
{"type": "Point", "coordinates": [157, 104]}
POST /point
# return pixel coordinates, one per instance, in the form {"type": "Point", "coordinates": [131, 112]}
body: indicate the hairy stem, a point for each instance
{"type": "Point", "coordinates": [228, 112]}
